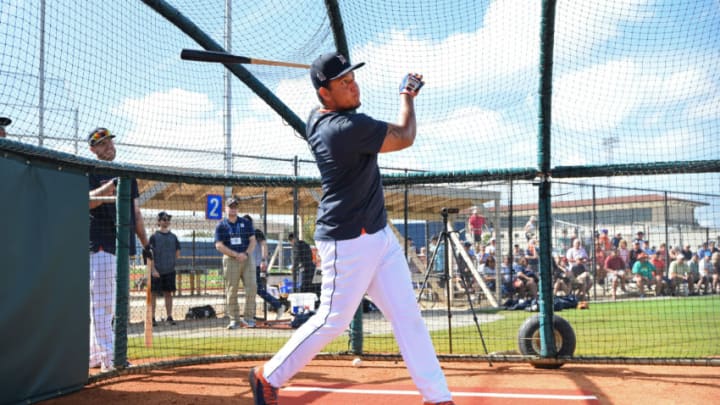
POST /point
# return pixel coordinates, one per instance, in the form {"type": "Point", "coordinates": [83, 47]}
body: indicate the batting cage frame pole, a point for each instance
{"type": "Point", "coordinates": [545, 296]}
{"type": "Point", "coordinates": [122, 285]}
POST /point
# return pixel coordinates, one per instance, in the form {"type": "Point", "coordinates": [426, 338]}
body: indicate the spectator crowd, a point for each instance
{"type": "Point", "coordinates": [614, 263]}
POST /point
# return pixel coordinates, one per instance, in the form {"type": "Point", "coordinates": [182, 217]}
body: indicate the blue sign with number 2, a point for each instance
{"type": "Point", "coordinates": [213, 207]}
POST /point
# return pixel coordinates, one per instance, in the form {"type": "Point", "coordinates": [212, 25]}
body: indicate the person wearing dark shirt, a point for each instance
{"type": "Point", "coordinates": [463, 270]}
{"type": "Point", "coordinates": [260, 257]}
{"type": "Point", "coordinates": [166, 249]}
{"type": "Point", "coordinates": [687, 253]}
{"type": "Point", "coordinates": [635, 252]}
{"type": "Point", "coordinates": [640, 237]}
{"type": "Point", "coordinates": [303, 265]}
{"type": "Point", "coordinates": [235, 239]}
{"type": "Point", "coordinates": [525, 281]}
{"type": "Point", "coordinates": [103, 219]}
{"type": "Point", "coordinates": [359, 252]}
{"type": "Point", "coordinates": [582, 279]}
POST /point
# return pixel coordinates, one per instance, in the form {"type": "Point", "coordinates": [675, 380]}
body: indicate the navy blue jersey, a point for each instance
{"type": "Point", "coordinates": [235, 235]}
{"type": "Point", "coordinates": [345, 146]}
{"type": "Point", "coordinates": [104, 217]}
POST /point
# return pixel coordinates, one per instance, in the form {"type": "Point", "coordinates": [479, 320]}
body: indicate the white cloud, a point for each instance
{"type": "Point", "coordinates": [705, 110]}
{"type": "Point", "coordinates": [506, 41]}
{"type": "Point", "coordinates": [470, 138]}
{"type": "Point", "coordinates": [597, 98]}
{"type": "Point", "coordinates": [174, 117]}
{"type": "Point", "coordinates": [144, 109]}
{"type": "Point", "coordinates": [602, 96]}
{"type": "Point", "coordinates": [182, 120]}
{"type": "Point", "coordinates": [583, 26]}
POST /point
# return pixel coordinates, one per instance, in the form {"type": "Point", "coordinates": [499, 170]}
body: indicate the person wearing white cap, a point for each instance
{"type": "Point", "coordinates": [491, 247]}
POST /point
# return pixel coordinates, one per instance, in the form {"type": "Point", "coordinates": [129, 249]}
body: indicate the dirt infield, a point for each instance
{"type": "Point", "coordinates": [387, 382]}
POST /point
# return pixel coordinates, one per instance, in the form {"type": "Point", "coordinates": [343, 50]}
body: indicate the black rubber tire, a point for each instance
{"type": "Point", "coordinates": [529, 339]}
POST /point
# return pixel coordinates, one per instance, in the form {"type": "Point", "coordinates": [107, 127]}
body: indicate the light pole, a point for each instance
{"type": "Point", "coordinates": [609, 143]}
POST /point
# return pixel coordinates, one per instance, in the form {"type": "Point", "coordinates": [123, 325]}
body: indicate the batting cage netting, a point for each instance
{"type": "Point", "coordinates": [558, 145]}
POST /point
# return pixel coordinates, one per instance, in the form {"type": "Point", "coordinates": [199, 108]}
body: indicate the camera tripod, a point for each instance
{"type": "Point", "coordinates": [445, 241]}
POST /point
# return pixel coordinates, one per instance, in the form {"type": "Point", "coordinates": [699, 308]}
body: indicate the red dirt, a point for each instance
{"type": "Point", "coordinates": [226, 383]}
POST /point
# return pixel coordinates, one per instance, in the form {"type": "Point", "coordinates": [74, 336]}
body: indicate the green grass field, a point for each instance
{"type": "Point", "coordinates": [661, 328]}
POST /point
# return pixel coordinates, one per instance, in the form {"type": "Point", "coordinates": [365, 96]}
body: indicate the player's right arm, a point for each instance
{"type": "Point", "coordinates": [402, 134]}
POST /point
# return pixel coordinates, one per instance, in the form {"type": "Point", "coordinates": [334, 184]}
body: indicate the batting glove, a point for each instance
{"type": "Point", "coordinates": [147, 254]}
{"type": "Point", "coordinates": [411, 84]}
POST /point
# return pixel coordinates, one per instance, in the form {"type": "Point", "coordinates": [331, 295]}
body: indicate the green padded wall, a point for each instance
{"type": "Point", "coordinates": [44, 317]}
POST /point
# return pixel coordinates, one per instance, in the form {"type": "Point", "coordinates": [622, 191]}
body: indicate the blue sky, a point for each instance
{"type": "Point", "coordinates": [644, 72]}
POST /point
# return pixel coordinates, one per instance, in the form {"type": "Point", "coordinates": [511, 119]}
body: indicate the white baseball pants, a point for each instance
{"type": "Point", "coordinates": [102, 307]}
{"type": "Point", "coordinates": [373, 263]}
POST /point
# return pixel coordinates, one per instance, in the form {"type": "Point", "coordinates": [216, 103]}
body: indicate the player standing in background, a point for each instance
{"type": "Point", "coordinates": [166, 249]}
{"type": "Point", "coordinates": [352, 224]}
{"type": "Point", "coordinates": [103, 218]}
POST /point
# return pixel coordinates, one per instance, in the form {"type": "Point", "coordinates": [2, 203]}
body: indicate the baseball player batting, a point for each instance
{"type": "Point", "coordinates": [359, 251]}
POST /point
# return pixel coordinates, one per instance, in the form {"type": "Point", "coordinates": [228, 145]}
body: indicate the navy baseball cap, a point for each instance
{"type": "Point", "coordinates": [330, 66]}
{"type": "Point", "coordinates": [233, 200]}
{"type": "Point", "coordinates": [5, 121]}
{"type": "Point", "coordinates": [164, 215]}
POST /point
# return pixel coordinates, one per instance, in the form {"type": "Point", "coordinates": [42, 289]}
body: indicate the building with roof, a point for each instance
{"type": "Point", "coordinates": [661, 218]}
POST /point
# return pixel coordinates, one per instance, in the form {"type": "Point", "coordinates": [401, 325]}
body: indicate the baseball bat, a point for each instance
{"type": "Point", "coordinates": [148, 306]}
{"type": "Point", "coordinates": [224, 57]}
